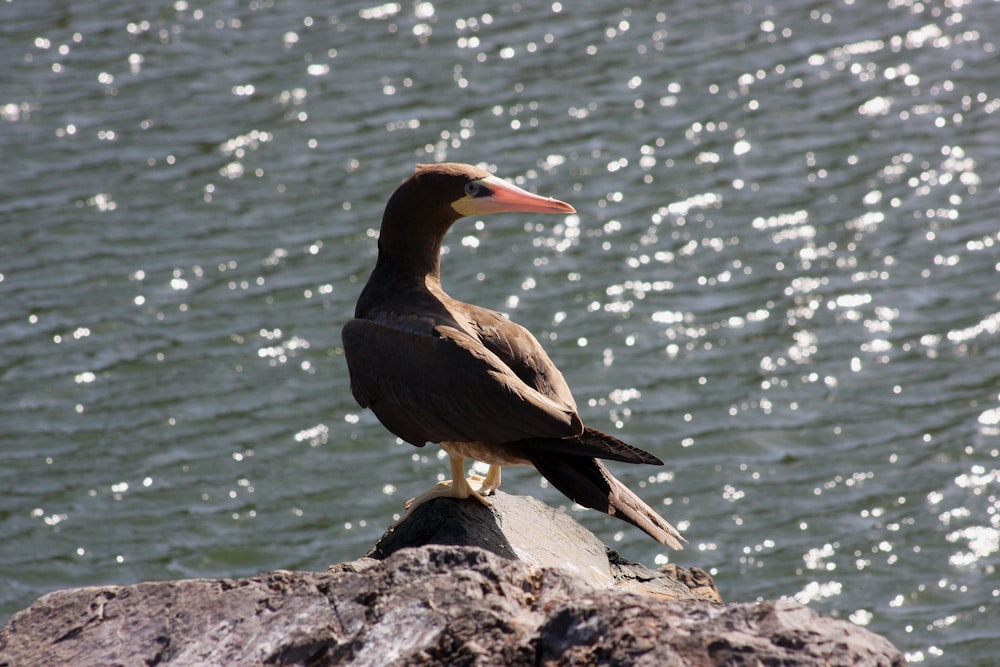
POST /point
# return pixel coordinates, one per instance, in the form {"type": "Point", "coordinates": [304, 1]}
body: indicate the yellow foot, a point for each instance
{"type": "Point", "coordinates": [482, 485]}
{"type": "Point", "coordinates": [488, 485]}
{"type": "Point", "coordinates": [467, 488]}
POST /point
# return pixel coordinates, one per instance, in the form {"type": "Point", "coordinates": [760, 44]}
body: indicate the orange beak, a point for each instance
{"type": "Point", "coordinates": [495, 195]}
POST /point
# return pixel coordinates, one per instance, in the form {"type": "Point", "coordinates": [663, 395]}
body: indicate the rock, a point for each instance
{"type": "Point", "coordinates": [526, 529]}
{"type": "Point", "coordinates": [435, 604]}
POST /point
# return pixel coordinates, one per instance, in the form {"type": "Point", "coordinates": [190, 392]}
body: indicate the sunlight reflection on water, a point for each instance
{"type": "Point", "coordinates": [782, 279]}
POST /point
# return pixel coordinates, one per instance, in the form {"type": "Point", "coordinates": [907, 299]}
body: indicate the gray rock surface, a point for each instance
{"type": "Point", "coordinates": [428, 605]}
{"type": "Point", "coordinates": [526, 529]}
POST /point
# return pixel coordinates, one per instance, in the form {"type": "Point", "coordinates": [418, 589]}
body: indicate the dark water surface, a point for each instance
{"type": "Point", "coordinates": [784, 279]}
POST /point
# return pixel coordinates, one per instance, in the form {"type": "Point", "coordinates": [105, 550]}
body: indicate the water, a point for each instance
{"type": "Point", "coordinates": [783, 279]}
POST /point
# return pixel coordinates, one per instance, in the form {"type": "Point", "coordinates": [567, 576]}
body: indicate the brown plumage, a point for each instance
{"type": "Point", "coordinates": [435, 369]}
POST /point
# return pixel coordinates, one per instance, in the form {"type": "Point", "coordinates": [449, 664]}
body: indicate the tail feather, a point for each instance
{"type": "Point", "coordinates": [589, 483]}
{"type": "Point", "coordinates": [592, 443]}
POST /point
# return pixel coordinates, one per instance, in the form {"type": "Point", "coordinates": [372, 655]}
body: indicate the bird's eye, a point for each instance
{"type": "Point", "coordinates": [473, 189]}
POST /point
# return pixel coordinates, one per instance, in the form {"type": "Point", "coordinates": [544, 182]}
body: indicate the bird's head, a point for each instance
{"type": "Point", "coordinates": [423, 209]}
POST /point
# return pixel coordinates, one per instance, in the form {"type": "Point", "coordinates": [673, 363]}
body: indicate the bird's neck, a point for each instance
{"type": "Point", "coordinates": [392, 281]}
{"type": "Point", "coordinates": [419, 259]}
{"type": "Point", "coordinates": [410, 237]}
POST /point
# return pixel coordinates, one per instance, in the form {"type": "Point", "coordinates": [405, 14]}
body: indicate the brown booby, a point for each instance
{"type": "Point", "coordinates": [435, 369]}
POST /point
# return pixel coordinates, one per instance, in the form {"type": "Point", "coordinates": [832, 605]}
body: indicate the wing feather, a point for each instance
{"type": "Point", "coordinates": [521, 352]}
{"type": "Point", "coordinates": [441, 384]}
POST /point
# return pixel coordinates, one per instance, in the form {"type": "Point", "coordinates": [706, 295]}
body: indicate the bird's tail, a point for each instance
{"type": "Point", "coordinates": [589, 483]}
{"type": "Point", "coordinates": [592, 443]}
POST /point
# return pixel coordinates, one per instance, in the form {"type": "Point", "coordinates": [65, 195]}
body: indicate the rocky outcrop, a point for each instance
{"type": "Point", "coordinates": [451, 600]}
{"type": "Point", "coordinates": [526, 529]}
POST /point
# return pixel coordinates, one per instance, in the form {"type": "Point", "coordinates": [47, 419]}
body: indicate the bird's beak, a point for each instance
{"type": "Point", "coordinates": [498, 196]}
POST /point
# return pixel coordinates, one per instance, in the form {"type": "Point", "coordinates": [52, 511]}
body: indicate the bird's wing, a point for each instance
{"type": "Point", "coordinates": [439, 384]}
{"type": "Point", "coordinates": [521, 352]}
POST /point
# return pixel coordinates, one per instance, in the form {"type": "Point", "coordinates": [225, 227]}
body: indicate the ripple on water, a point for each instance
{"type": "Point", "coordinates": [782, 279]}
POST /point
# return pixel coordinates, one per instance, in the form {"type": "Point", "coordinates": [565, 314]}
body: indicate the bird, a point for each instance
{"type": "Point", "coordinates": [434, 369]}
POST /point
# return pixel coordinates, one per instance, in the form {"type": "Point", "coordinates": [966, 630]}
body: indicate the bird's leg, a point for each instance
{"type": "Point", "coordinates": [456, 487]}
{"type": "Point", "coordinates": [488, 485]}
